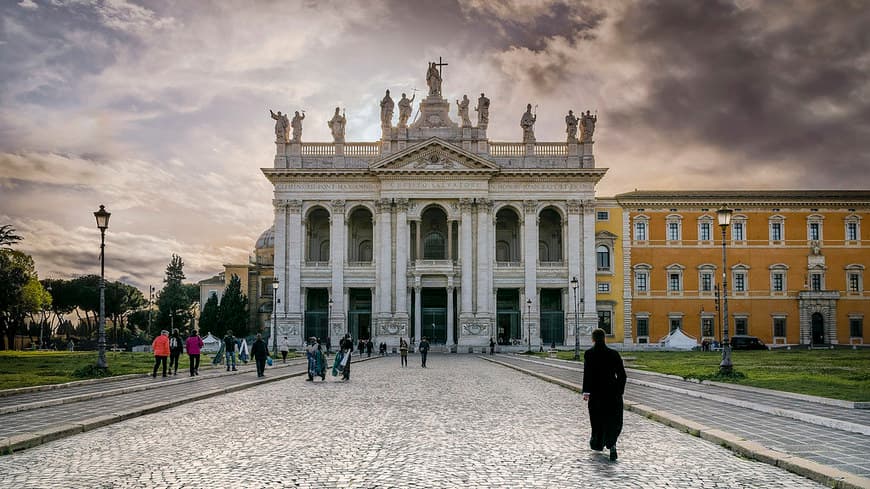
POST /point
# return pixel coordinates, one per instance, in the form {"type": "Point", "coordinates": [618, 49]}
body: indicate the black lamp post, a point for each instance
{"type": "Point", "coordinates": [151, 290]}
{"type": "Point", "coordinates": [102, 217]}
{"type": "Point", "coordinates": [329, 319]}
{"type": "Point", "coordinates": [575, 285]}
{"type": "Point", "coordinates": [529, 321]}
{"type": "Point", "coordinates": [275, 317]}
{"type": "Point", "coordinates": [724, 215]}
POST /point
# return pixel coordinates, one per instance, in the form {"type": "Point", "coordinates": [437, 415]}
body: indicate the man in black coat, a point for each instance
{"type": "Point", "coordinates": [260, 352]}
{"type": "Point", "coordinates": [603, 386]}
{"type": "Point", "coordinates": [424, 350]}
{"type": "Point", "coordinates": [346, 347]}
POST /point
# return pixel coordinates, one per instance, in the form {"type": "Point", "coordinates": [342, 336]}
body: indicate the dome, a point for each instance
{"type": "Point", "coordinates": [266, 240]}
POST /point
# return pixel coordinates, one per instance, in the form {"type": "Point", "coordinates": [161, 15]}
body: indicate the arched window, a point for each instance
{"type": "Point", "coordinates": [364, 254]}
{"type": "Point", "coordinates": [433, 246]}
{"type": "Point", "coordinates": [603, 255]}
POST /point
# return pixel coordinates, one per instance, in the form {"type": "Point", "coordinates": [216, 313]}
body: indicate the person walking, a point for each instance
{"type": "Point", "coordinates": [230, 349]}
{"type": "Point", "coordinates": [346, 346]}
{"type": "Point", "coordinates": [491, 346]}
{"type": "Point", "coordinates": [176, 348]}
{"type": "Point", "coordinates": [260, 352]}
{"type": "Point", "coordinates": [194, 346]}
{"type": "Point", "coordinates": [328, 344]}
{"type": "Point", "coordinates": [424, 350]}
{"type": "Point", "coordinates": [603, 385]}
{"type": "Point", "coordinates": [160, 346]}
{"type": "Point", "coordinates": [284, 348]}
{"type": "Point", "coordinates": [403, 351]}
{"type": "Point", "coordinates": [369, 347]}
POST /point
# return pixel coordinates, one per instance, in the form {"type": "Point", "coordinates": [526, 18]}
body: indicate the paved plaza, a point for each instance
{"type": "Point", "coordinates": [462, 422]}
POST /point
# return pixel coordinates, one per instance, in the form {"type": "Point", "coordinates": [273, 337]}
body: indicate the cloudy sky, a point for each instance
{"type": "Point", "coordinates": [159, 109]}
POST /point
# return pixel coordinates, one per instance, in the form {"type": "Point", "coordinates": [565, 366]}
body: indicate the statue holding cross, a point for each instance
{"type": "Point", "coordinates": [433, 77]}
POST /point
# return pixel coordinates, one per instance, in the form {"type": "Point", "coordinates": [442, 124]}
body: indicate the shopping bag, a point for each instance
{"type": "Point", "coordinates": [269, 361]}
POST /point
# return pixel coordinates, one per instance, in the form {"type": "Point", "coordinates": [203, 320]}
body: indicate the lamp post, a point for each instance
{"type": "Point", "coordinates": [529, 321]}
{"type": "Point", "coordinates": [275, 317]}
{"type": "Point", "coordinates": [329, 319]}
{"type": "Point", "coordinates": [151, 290]}
{"type": "Point", "coordinates": [575, 285]}
{"type": "Point", "coordinates": [102, 217]}
{"type": "Point", "coordinates": [724, 215]}
{"type": "Point", "coordinates": [42, 323]}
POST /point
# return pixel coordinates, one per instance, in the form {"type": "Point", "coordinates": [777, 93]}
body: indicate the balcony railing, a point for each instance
{"type": "Point", "coordinates": [362, 150]}
{"type": "Point", "coordinates": [318, 149]}
{"type": "Point", "coordinates": [316, 264]}
{"type": "Point", "coordinates": [519, 149]}
{"type": "Point", "coordinates": [509, 264]}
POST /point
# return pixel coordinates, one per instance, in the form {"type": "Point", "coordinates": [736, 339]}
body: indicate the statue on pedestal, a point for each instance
{"type": "Point", "coordinates": [433, 79]}
{"type": "Point", "coordinates": [387, 106]}
{"type": "Point", "coordinates": [282, 127]}
{"type": "Point", "coordinates": [405, 109]}
{"type": "Point", "coordinates": [571, 126]}
{"type": "Point", "coordinates": [528, 124]}
{"type": "Point", "coordinates": [482, 110]}
{"type": "Point", "coordinates": [296, 123]}
{"type": "Point", "coordinates": [587, 124]}
{"type": "Point", "coordinates": [337, 125]}
{"type": "Point", "coordinates": [463, 111]}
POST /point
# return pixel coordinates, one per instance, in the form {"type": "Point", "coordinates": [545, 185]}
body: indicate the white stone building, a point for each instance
{"type": "Point", "coordinates": [435, 231]}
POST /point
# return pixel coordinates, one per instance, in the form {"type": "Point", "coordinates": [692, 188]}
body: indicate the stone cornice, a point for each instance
{"type": "Point", "coordinates": [746, 198]}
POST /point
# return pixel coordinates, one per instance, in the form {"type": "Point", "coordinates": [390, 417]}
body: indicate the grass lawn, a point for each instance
{"type": "Point", "coordinates": [838, 374]}
{"type": "Point", "coordinates": [26, 368]}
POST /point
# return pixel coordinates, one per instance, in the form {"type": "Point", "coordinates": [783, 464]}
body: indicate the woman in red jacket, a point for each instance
{"type": "Point", "coordinates": [160, 345]}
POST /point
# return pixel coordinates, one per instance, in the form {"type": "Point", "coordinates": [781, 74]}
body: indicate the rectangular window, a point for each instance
{"type": "Point", "coordinates": [604, 322]}
{"type": "Point", "coordinates": [814, 231]}
{"type": "Point", "coordinates": [779, 327]}
{"type": "Point", "coordinates": [603, 287]}
{"type": "Point", "coordinates": [643, 326]}
{"type": "Point", "coordinates": [673, 231]}
{"type": "Point", "coordinates": [602, 215]}
{"type": "Point", "coordinates": [776, 231]}
{"type": "Point", "coordinates": [854, 282]}
{"type": "Point", "coordinates": [856, 327]}
{"type": "Point", "coordinates": [737, 231]}
{"type": "Point", "coordinates": [641, 282]}
{"type": "Point", "coordinates": [706, 326]}
{"type": "Point", "coordinates": [816, 282]}
{"type": "Point", "coordinates": [674, 282]}
{"type": "Point", "coordinates": [777, 282]}
{"type": "Point", "coordinates": [741, 326]}
{"type": "Point", "coordinates": [706, 282]}
{"type": "Point", "coordinates": [739, 282]}
{"type": "Point", "coordinates": [640, 231]}
{"type": "Point", "coordinates": [676, 323]}
{"type": "Point", "coordinates": [704, 232]}
{"type": "Point", "coordinates": [852, 231]}
{"type": "Point", "coordinates": [603, 257]}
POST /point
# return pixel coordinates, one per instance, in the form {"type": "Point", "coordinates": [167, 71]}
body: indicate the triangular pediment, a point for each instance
{"type": "Point", "coordinates": [604, 234]}
{"type": "Point", "coordinates": [434, 155]}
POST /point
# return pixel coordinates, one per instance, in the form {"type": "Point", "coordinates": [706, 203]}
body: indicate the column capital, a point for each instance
{"type": "Point", "coordinates": [293, 206]}
{"type": "Point", "coordinates": [530, 206]}
{"type": "Point", "coordinates": [338, 206]}
{"type": "Point", "coordinates": [574, 206]}
{"type": "Point", "coordinates": [279, 204]}
{"type": "Point", "coordinates": [383, 205]}
{"type": "Point", "coordinates": [402, 205]}
{"type": "Point", "coordinates": [465, 204]}
{"type": "Point", "coordinates": [589, 204]}
{"type": "Point", "coordinates": [484, 205]}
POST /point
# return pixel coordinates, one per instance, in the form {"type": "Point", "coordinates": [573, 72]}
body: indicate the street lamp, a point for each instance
{"type": "Point", "coordinates": [102, 217]}
{"type": "Point", "coordinates": [275, 316]}
{"type": "Point", "coordinates": [151, 290]}
{"type": "Point", "coordinates": [724, 215]}
{"type": "Point", "coordinates": [329, 319]}
{"type": "Point", "coordinates": [529, 321]}
{"type": "Point", "coordinates": [575, 285]}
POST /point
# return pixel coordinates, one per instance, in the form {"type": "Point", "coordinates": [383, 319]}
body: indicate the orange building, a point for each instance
{"type": "Point", "coordinates": [795, 265]}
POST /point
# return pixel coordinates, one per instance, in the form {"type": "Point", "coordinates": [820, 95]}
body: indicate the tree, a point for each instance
{"type": "Point", "coordinates": [8, 237]}
{"type": "Point", "coordinates": [20, 293]}
{"type": "Point", "coordinates": [175, 301]}
{"type": "Point", "coordinates": [63, 302]}
{"type": "Point", "coordinates": [210, 316]}
{"type": "Point", "coordinates": [175, 270]}
{"type": "Point", "coordinates": [233, 309]}
{"type": "Point", "coordinates": [121, 300]}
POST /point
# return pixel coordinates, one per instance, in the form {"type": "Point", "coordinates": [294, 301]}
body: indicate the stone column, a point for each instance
{"type": "Point", "coordinates": [418, 312]}
{"type": "Point", "coordinates": [337, 247]}
{"type": "Point", "coordinates": [402, 248]}
{"type": "Point", "coordinates": [384, 268]}
{"type": "Point", "coordinates": [450, 340]}
{"type": "Point", "coordinates": [575, 259]}
{"type": "Point", "coordinates": [589, 320]}
{"type": "Point", "coordinates": [419, 244]}
{"type": "Point", "coordinates": [280, 270]}
{"type": "Point", "coordinates": [450, 241]}
{"type": "Point", "coordinates": [466, 257]}
{"type": "Point", "coordinates": [530, 248]}
{"type": "Point", "coordinates": [293, 281]}
{"type": "Point", "coordinates": [484, 258]}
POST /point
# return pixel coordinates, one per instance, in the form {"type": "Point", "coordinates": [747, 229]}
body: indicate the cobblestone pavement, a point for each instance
{"type": "Point", "coordinates": [461, 423]}
{"type": "Point", "coordinates": [828, 446]}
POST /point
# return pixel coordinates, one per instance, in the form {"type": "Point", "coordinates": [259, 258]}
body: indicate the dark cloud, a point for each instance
{"type": "Point", "coordinates": [771, 84]}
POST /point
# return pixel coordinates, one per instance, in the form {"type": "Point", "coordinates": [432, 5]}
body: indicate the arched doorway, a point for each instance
{"type": "Point", "coordinates": [318, 235]}
{"type": "Point", "coordinates": [433, 233]}
{"type": "Point", "coordinates": [360, 236]}
{"type": "Point", "coordinates": [549, 236]}
{"type": "Point", "coordinates": [507, 236]}
{"type": "Point", "coordinates": [818, 328]}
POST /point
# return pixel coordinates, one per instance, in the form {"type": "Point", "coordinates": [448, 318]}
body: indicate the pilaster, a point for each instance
{"type": "Point", "coordinates": [530, 262]}
{"type": "Point", "coordinates": [402, 252]}
{"type": "Point", "coordinates": [337, 247]}
{"type": "Point", "coordinates": [292, 292]}
{"type": "Point", "coordinates": [384, 265]}
{"type": "Point", "coordinates": [466, 257]}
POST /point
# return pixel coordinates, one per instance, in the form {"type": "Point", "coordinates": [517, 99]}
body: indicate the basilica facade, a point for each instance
{"type": "Point", "coordinates": [435, 231]}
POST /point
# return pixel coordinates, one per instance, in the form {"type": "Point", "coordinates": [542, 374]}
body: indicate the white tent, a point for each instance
{"type": "Point", "coordinates": [678, 340]}
{"type": "Point", "coordinates": [210, 344]}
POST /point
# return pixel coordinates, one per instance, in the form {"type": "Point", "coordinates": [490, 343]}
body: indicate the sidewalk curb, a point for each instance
{"type": "Point", "coordinates": [22, 441]}
{"type": "Point", "coordinates": [822, 474]}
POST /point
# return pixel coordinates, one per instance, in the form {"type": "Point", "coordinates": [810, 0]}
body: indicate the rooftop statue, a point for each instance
{"type": "Point", "coordinates": [296, 124]}
{"type": "Point", "coordinates": [587, 124]}
{"type": "Point", "coordinates": [433, 79]}
{"type": "Point", "coordinates": [463, 111]}
{"type": "Point", "coordinates": [571, 126]}
{"type": "Point", "coordinates": [482, 110]}
{"type": "Point", "coordinates": [282, 127]}
{"type": "Point", "coordinates": [527, 122]}
{"type": "Point", "coordinates": [387, 106]}
{"type": "Point", "coordinates": [405, 109]}
{"type": "Point", "coordinates": [337, 125]}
